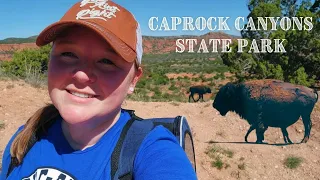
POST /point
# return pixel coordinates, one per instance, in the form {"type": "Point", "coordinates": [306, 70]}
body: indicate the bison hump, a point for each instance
{"type": "Point", "coordinates": [276, 90]}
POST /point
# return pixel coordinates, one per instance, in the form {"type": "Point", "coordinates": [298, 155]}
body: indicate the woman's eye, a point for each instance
{"type": "Point", "coordinates": [68, 54]}
{"type": "Point", "coordinates": [106, 61]}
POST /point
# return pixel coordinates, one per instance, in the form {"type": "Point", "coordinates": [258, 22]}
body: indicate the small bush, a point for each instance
{"type": "Point", "coordinates": [196, 79]}
{"type": "Point", "coordinates": [292, 162]}
{"type": "Point", "coordinates": [229, 153]}
{"type": "Point", "coordinates": [202, 78]}
{"type": "Point", "coordinates": [142, 83]}
{"type": "Point", "coordinates": [217, 163]}
{"type": "Point", "coordinates": [217, 149]}
{"type": "Point", "coordinates": [157, 91]}
{"type": "Point", "coordinates": [179, 98]}
{"type": "Point", "coordinates": [161, 81]}
{"type": "Point", "coordinates": [212, 83]}
{"type": "Point", "coordinates": [2, 125]}
{"type": "Point", "coordinates": [36, 79]}
{"type": "Point", "coordinates": [166, 96]}
{"type": "Point", "coordinates": [217, 153]}
{"type": "Point", "coordinates": [173, 87]}
{"type": "Point", "coordinates": [27, 60]}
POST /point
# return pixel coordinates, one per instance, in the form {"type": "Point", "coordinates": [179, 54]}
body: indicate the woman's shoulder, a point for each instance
{"type": "Point", "coordinates": [16, 133]}
{"type": "Point", "coordinates": [6, 154]}
{"type": "Point", "coordinates": [7, 149]}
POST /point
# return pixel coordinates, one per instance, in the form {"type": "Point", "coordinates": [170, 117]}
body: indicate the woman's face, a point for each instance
{"type": "Point", "coordinates": [86, 78]}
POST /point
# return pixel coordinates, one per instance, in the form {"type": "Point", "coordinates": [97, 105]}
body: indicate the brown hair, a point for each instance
{"type": "Point", "coordinates": [36, 125]}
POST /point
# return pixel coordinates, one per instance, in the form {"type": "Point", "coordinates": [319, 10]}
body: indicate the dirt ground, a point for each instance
{"type": "Point", "coordinates": [249, 161]}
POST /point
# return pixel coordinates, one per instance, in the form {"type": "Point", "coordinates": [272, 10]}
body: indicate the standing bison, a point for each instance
{"type": "Point", "coordinates": [200, 90]}
{"type": "Point", "coordinates": [265, 103]}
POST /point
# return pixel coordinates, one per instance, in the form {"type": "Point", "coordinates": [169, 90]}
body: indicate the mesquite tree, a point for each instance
{"type": "Point", "coordinates": [301, 62]}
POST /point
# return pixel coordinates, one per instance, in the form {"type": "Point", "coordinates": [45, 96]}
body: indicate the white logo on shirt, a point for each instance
{"type": "Point", "coordinates": [48, 173]}
{"type": "Point", "coordinates": [104, 11]}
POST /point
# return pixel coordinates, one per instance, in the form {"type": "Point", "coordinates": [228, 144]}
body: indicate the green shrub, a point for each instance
{"type": "Point", "coordinates": [173, 87]}
{"type": "Point", "coordinates": [2, 125]}
{"type": "Point", "coordinates": [217, 163]}
{"type": "Point", "coordinates": [159, 79]}
{"type": "Point", "coordinates": [293, 162]}
{"type": "Point", "coordinates": [28, 61]}
{"type": "Point", "coordinates": [301, 77]}
{"type": "Point", "coordinates": [214, 150]}
{"type": "Point", "coordinates": [157, 91]}
{"type": "Point", "coordinates": [212, 83]}
{"type": "Point", "coordinates": [196, 79]}
{"type": "Point", "coordinates": [142, 83]}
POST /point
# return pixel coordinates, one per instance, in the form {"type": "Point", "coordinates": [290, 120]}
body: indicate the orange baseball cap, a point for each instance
{"type": "Point", "coordinates": [112, 21]}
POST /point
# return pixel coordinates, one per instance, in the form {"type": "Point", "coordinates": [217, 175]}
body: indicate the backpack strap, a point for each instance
{"type": "Point", "coordinates": [132, 135]}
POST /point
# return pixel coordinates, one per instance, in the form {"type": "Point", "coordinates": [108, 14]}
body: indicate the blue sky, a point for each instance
{"type": "Point", "coordinates": [22, 18]}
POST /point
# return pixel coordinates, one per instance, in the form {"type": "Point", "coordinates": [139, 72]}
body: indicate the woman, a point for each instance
{"type": "Point", "coordinates": [94, 63]}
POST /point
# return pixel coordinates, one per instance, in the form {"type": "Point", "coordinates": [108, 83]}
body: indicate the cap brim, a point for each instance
{"type": "Point", "coordinates": [50, 33]}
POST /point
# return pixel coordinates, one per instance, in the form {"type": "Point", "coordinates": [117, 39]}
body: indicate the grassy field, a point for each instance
{"type": "Point", "coordinates": [167, 77]}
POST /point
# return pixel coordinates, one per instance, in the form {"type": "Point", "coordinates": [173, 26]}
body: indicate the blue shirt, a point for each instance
{"type": "Point", "coordinates": [159, 157]}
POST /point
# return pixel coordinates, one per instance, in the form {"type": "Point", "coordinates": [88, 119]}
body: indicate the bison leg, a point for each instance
{"type": "Point", "coordinates": [261, 128]}
{"type": "Point", "coordinates": [201, 96]}
{"type": "Point", "coordinates": [191, 96]}
{"type": "Point", "coordinates": [307, 127]}
{"type": "Point", "coordinates": [252, 127]}
{"type": "Point", "coordinates": [286, 135]}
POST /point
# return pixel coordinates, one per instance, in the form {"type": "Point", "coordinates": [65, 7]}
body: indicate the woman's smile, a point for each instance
{"type": "Point", "coordinates": [78, 97]}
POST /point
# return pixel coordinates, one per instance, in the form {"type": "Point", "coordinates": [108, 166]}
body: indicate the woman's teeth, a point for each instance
{"type": "Point", "coordinates": [81, 95]}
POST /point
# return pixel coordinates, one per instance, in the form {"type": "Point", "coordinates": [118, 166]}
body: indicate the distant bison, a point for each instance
{"type": "Point", "coordinates": [265, 103]}
{"type": "Point", "coordinates": [201, 90]}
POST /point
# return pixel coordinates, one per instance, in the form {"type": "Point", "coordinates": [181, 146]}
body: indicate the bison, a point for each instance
{"type": "Point", "coordinates": [201, 90]}
{"type": "Point", "coordinates": [265, 103]}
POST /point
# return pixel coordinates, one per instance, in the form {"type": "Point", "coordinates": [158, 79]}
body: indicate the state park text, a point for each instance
{"type": "Point", "coordinates": [211, 45]}
{"type": "Point", "coordinates": [261, 45]}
